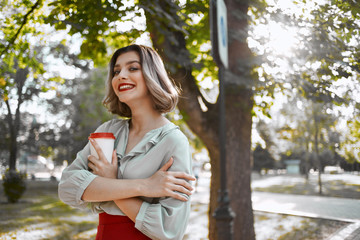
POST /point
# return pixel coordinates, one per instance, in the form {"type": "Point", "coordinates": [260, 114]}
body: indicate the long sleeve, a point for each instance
{"type": "Point", "coordinates": [76, 178]}
{"type": "Point", "coordinates": [168, 218]}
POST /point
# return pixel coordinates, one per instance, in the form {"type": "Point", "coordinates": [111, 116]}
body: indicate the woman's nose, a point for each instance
{"type": "Point", "coordinates": [122, 74]}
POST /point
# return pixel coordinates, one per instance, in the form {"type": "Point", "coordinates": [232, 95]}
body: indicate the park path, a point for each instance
{"type": "Point", "coordinates": [341, 209]}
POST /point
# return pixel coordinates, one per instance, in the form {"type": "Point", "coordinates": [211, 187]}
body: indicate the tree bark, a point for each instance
{"type": "Point", "coordinates": [239, 105]}
{"type": "Point", "coordinates": [172, 47]}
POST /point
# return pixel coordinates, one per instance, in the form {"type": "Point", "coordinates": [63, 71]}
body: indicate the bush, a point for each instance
{"type": "Point", "coordinates": [14, 185]}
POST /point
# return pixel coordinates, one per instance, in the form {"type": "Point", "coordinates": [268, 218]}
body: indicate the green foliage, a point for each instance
{"type": "Point", "coordinates": [24, 51]}
{"type": "Point", "coordinates": [113, 29]}
{"type": "Point", "coordinates": [19, 30]}
{"type": "Point", "coordinates": [198, 39]}
{"type": "Point", "coordinates": [351, 144]}
{"type": "Point", "coordinates": [121, 23]}
{"type": "Point", "coordinates": [326, 50]}
{"type": "Point", "coordinates": [14, 185]}
{"type": "Point", "coordinates": [46, 151]}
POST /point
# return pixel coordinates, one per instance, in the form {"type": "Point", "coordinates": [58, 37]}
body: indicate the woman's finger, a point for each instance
{"type": "Point", "coordinates": [98, 150]}
{"type": "Point", "coordinates": [184, 184]}
{"type": "Point", "coordinates": [93, 159]}
{"type": "Point", "coordinates": [178, 189]}
{"type": "Point", "coordinates": [183, 176]}
{"type": "Point", "coordinates": [178, 196]}
{"type": "Point", "coordinates": [92, 166]}
{"type": "Point", "coordinates": [114, 158]}
{"type": "Point", "coordinates": [167, 165]}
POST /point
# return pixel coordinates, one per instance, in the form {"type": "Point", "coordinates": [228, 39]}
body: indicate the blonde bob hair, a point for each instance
{"type": "Point", "coordinates": [163, 91]}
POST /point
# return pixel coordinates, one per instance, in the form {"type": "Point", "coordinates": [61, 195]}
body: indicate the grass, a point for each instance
{"type": "Point", "coordinates": [313, 229]}
{"type": "Point", "coordinates": [41, 212]}
{"type": "Point", "coordinates": [287, 227]}
{"type": "Point", "coordinates": [332, 188]}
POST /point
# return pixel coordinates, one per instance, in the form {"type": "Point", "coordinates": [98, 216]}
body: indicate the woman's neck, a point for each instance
{"type": "Point", "coordinates": [145, 119]}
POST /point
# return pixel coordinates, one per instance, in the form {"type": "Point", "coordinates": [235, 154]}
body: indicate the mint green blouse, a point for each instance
{"type": "Point", "coordinates": [158, 218]}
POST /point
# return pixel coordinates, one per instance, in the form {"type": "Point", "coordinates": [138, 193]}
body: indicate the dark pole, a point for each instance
{"type": "Point", "coordinates": [223, 214]}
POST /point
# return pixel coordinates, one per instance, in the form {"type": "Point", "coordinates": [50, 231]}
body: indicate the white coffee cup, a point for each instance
{"type": "Point", "coordinates": [105, 140]}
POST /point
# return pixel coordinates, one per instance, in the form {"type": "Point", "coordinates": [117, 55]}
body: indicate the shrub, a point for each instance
{"type": "Point", "coordinates": [14, 185]}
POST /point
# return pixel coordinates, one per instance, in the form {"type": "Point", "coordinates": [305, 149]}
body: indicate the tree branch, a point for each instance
{"type": "Point", "coordinates": [23, 23]}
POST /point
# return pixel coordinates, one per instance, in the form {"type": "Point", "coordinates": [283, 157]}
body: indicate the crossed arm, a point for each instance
{"type": "Point", "coordinates": [124, 192]}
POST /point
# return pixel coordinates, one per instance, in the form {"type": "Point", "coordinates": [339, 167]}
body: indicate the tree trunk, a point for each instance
{"type": "Point", "coordinates": [316, 146]}
{"type": "Point", "coordinates": [239, 105]}
{"type": "Point", "coordinates": [238, 161]}
{"type": "Point", "coordinates": [13, 144]}
{"type": "Point", "coordinates": [14, 122]}
{"type": "Point", "coordinates": [172, 47]}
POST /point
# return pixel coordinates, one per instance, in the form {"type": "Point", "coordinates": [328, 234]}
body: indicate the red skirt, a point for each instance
{"type": "Point", "coordinates": [114, 227]}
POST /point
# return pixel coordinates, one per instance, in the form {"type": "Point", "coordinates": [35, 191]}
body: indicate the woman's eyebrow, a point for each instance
{"type": "Point", "coordinates": [128, 63]}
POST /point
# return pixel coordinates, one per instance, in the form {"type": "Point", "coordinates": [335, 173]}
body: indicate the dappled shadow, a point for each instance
{"type": "Point", "coordinates": [40, 214]}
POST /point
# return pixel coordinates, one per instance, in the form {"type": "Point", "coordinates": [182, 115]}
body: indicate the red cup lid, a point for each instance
{"type": "Point", "coordinates": [102, 135]}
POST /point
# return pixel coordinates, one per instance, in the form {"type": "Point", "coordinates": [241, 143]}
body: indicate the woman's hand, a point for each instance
{"type": "Point", "coordinates": [101, 166]}
{"type": "Point", "coordinates": [168, 184]}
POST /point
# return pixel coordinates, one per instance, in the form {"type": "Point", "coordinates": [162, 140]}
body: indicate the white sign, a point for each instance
{"type": "Point", "coordinates": [222, 32]}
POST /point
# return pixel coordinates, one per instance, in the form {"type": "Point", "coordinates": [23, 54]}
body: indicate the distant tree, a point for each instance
{"type": "Point", "coordinates": [80, 103]}
{"type": "Point", "coordinates": [351, 144]}
{"type": "Point", "coordinates": [262, 159]}
{"type": "Point", "coordinates": [22, 72]}
{"type": "Point", "coordinates": [349, 166]}
{"type": "Point", "coordinates": [22, 92]}
{"type": "Point", "coordinates": [22, 87]}
{"type": "Point", "coordinates": [267, 134]}
{"type": "Point", "coordinates": [311, 131]}
{"type": "Point", "coordinates": [4, 142]}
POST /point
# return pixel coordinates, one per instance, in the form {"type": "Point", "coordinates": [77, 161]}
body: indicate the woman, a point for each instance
{"type": "Point", "coordinates": [135, 196]}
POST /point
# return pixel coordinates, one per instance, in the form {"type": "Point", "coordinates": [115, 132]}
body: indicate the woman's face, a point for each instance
{"type": "Point", "coordinates": [128, 80]}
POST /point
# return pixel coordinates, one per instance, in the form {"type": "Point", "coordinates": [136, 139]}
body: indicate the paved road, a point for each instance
{"type": "Point", "coordinates": [342, 209]}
